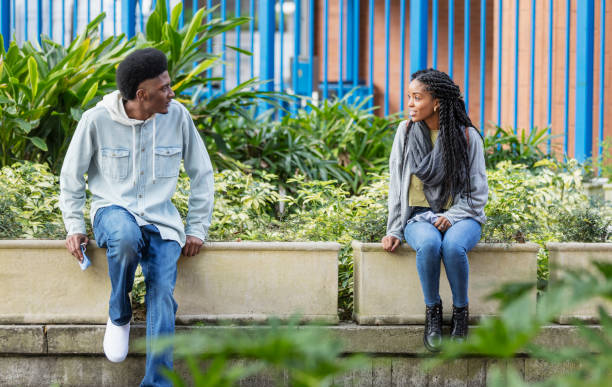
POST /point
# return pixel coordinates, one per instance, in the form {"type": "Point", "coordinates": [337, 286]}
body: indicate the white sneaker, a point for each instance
{"type": "Point", "coordinates": [116, 341]}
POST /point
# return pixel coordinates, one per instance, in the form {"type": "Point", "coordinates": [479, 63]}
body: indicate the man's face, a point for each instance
{"type": "Point", "coordinates": [155, 94]}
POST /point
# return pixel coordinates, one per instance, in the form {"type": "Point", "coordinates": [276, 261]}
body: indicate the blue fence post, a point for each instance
{"type": "Point", "coordinates": [418, 35]}
{"type": "Point", "coordinates": [128, 17]}
{"type": "Point", "coordinates": [583, 134]}
{"type": "Point", "coordinates": [39, 20]}
{"type": "Point", "coordinates": [267, 26]}
{"type": "Point", "coordinates": [5, 22]}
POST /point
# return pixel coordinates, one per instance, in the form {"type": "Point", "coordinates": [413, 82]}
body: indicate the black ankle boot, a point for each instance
{"type": "Point", "coordinates": [432, 336]}
{"type": "Point", "coordinates": [459, 323]}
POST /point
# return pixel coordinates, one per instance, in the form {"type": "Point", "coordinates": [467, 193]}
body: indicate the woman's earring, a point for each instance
{"type": "Point", "coordinates": [435, 109]}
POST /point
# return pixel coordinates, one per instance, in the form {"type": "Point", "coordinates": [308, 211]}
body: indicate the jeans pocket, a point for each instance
{"type": "Point", "coordinates": [167, 161]}
{"type": "Point", "coordinates": [115, 163]}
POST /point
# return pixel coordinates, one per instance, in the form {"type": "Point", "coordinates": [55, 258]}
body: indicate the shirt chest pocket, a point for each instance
{"type": "Point", "coordinates": [115, 163]}
{"type": "Point", "coordinates": [167, 161]}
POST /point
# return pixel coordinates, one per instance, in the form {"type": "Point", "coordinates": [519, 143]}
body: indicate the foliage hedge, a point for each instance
{"type": "Point", "coordinates": [543, 204]}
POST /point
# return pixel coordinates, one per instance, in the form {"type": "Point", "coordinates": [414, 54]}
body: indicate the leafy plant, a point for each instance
{"type": "Point", "coordinates": [334, 140]}
{"type": "Point", "coordinates": [524, 147]}
{"type": "Point", "coordinates": [588, 223]}
{"type": "Point", "coordinates": [223, 357]}
{"type": "Point", "coordinates": [44, 90]}
{"type": "Point", "coordinates": [29, 205]}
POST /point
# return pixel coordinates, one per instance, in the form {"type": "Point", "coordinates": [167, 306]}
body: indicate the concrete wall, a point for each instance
{"type": "Point", "coordinates": [42, 283]}
{"type": "Point", "coordinates": [578, 256]}
{"type": "Point", "coordinates": [39, 355]}
{"type": "Point", "coordinates": [388, 289]}
{"type": "Point", "coordinates": [509, 34]}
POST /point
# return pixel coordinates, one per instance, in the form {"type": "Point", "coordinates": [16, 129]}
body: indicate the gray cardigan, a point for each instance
{"type": "Point", "coordinates": [399, 183]}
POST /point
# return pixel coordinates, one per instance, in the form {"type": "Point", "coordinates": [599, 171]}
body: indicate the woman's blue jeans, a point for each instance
{"type": "Point", "coordinates": [451, 247]}
{"type": "Point", "coordinates": [128, 245]}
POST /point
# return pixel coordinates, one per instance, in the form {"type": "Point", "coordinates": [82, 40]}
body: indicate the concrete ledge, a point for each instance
{"type": "Point", "coordinates": [42, 283]}
{"type": "Point", "coordinates": [563, 256]}
{"type": "Point", "coordinates": [405, 340]}
{"type": "Point", "coordinates": [72, 356]}
{"type": "Point", "coordinates": [388, 289]}
{"type": "Point", "coordinates": [236, 281]}
{"type": "Point", "coordinates": [253, 281]}
{"type": "Point", "coordinates": [23, 339]}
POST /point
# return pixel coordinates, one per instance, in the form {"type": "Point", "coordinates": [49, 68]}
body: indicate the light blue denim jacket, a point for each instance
{"type": "Point", "coordinates": [135, 164]}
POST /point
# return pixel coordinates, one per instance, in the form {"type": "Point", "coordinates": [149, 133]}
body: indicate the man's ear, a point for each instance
{"type": "Point", "coordinates": [141, 95]}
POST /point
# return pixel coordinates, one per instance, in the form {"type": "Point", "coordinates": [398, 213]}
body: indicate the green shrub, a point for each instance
{"type": "Point", "coordinates": [524, 147]}
{"type": "Point", "coordinates": [29, 205]}
{"type": "Point", "coordinates": [588, 223]}
{"type": "Point", "coordinates": [333, 140]}
{"type": "Point", "coordinates": [523, 201]}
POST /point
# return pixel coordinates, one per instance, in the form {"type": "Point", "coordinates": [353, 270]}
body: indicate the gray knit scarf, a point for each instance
{"type": "Point", "coordinates": [426, 162]}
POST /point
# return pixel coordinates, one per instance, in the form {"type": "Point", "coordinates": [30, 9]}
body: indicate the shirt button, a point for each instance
{"type": "Point", "coordinates": [142, 214]}
{"type": "Point", "coordinates": [142, 172]}
{"type": "Point", "coordinates": [140, 196]}
{"type": "Point", "coordinates": [143, 149]}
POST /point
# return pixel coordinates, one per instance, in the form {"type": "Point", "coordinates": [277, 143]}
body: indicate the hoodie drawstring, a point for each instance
{"type": "Point", "coordinates": [154, 148]}
{"type": "Point", "coordinates": [134, 153]}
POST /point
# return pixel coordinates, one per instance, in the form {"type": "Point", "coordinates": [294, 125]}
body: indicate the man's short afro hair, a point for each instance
{"type": "Point", "coordinates": [137, 67]}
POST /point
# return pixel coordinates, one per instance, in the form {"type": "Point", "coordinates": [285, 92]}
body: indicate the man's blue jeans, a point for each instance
{"type": "Point", "coordinates": [127, 245]}
{"type": "Point", "coordinates": [451, 247]}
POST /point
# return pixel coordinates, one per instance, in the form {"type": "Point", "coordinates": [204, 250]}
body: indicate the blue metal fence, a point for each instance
{"type": "Point", "coordinates": [283, 36]}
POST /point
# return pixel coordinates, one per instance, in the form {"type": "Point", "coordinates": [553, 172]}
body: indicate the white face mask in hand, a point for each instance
{"type": "Point", "coordinates": [86, 262]}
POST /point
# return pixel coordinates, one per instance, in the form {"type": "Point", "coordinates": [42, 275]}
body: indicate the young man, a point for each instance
{"type": "Point", "coordinates": [131, 146]}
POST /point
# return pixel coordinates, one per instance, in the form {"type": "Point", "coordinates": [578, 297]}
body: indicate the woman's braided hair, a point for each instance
{"type": "Point", "coordinates": [452, 123]}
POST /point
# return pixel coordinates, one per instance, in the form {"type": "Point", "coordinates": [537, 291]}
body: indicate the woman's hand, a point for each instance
{"type": "Point", "coordinates": [390, 243]}
{"type": "Point", "coordinates": [442, 224]}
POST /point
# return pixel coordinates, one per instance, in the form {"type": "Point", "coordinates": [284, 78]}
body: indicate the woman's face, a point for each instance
{"type": "Point", "coordinates": [420, 102]}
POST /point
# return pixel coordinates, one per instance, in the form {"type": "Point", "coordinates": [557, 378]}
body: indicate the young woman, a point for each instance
{"type": "Point", "coordinates": [437, 193]}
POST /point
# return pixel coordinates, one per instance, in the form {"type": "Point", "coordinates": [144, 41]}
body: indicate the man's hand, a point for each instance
{"type": "Point", "coordinates": [442, 224]}
{"type": "Point", "coordinates": [192, 246]}
{"type": "Point", "coordinates": [390, 243]}
{"type": "Point", "coordinates": [73, 244]}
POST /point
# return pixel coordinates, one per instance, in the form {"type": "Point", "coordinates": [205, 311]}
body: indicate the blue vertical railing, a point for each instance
{"type": "Point", "coordinates": [466, 54]}
{"type": "Point", "coordinates": [566, 87]}
{"type": "Point", "coordinates": [325, 48]}
{"type": "Point", "coordinates": [602, 73]}
{"type": "Point", "coordinates": [516, 68]}
{"type": "Point", "coordinates": [434, 34]}
{"type": "Point", "coordinates": [532, 62]}
{"type": "Point", "coordinates": [5, 22]}
{"type": "Point", "coordinates": [402, 49]}
{"type": "Point", "coordinates": [483, 37]}
{"type": "Point", "coordinates": [583, 135]}
{"type": "Point", "coordinates": [340, 49]}
{"type": "Point", "coordinates": [550, 67]}
{"type": "Point", "coordinates": [387, 12]}
{"type": "Point", "coordinates": [451, 36]}
{"type": "Point", "coordinates": [499, 59]}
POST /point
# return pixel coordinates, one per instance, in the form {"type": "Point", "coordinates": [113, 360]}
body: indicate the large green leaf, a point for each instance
{"type": "Point", "coordinates": [154, 27]}
{"type": "Point", "coordinates": [33, 75]}
{"type": "Point", "coordinates": [39, 143]}
{"type": "Point", "coordinates": [90, 94]}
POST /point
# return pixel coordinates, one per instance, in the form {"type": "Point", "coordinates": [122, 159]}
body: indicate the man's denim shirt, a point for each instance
{"type": "Point", "coordinates": [135, 164]}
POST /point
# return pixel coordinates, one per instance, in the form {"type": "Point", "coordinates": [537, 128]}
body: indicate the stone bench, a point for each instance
{"type": "Point", "coordinates": [388, 291]}
{"type": "Point", "coordinates": [247, 281]}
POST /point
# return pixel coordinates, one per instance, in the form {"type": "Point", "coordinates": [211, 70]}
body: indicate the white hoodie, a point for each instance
{"type": "Point", "coordinates": [135, 164]}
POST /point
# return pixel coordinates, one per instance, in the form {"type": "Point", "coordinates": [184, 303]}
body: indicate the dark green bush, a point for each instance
{"type": "Point", "coordinates": [589, 223]}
